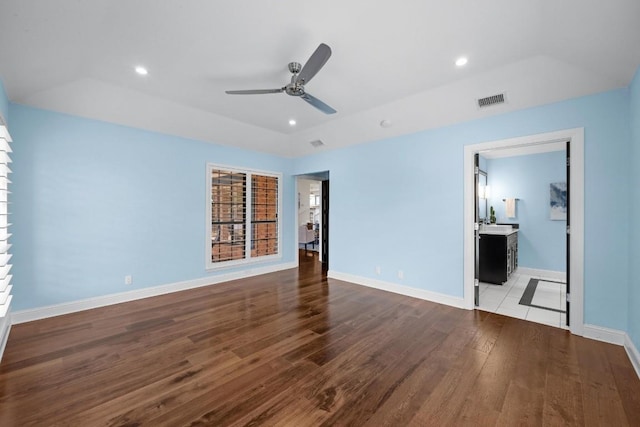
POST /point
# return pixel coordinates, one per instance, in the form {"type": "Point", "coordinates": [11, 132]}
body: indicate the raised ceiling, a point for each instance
{"type": "Point", "coordinates": [391, 61]}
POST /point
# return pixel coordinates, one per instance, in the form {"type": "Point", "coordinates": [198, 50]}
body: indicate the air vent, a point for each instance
{"type": "Point", "coordinates": [492, 100]}
{"type": "Point", "coordinates": [317, 143]}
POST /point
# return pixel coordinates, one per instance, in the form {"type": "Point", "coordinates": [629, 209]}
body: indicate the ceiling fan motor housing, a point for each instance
{"type": "Point", "coordinates": [294, 89]}
{"type": "Point", "coordinates": [295, 67]}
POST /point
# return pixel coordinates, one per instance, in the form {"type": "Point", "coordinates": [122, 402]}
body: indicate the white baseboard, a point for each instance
{"type": "Point", "coordinates": [599, 333]}
{"type": "Point", "coordinates": [559, 276]}
{"type": "Point", "coordinates": [633, 353]}
{"type": "Point", "coordinates": [398, 289]}
{"type": "Point", "coordinates": [29, 315]}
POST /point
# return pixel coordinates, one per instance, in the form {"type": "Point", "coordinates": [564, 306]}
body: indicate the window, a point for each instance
{"type": "Point", "coordinates": [5, 255]}
{"type": "Point", "coordinates": [243, 224]}
{"type": "Point", "coordinates": [264, 215]}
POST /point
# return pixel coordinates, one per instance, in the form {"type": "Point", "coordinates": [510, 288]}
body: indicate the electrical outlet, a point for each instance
{"type": "Point", "coordinates": [128, 280]}
{"type": "Point", "coordinates": [400, 274]}
{"type": "Point", "coordinates": [378, 270]}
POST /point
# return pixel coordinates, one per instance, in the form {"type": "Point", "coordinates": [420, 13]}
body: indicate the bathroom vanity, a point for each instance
{"type": "Point", "coordinates": [498, 252]}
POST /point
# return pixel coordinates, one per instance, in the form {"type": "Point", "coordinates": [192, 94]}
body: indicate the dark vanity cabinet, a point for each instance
{"type": "Point", "coordinates": [498, 257]}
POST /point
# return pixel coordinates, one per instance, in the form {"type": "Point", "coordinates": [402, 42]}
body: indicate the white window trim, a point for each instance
{"type": "Point", "coordinates": [209, 265]}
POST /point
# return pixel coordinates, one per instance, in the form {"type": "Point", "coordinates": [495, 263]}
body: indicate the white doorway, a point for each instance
{"type": "Point", "coordinates": [576, 265]}
{"type": "Point", "coordinates": [311, 220]}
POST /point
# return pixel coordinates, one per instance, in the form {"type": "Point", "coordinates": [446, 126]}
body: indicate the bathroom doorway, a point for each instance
{"type": "Point", "coordinates": [537, 285]}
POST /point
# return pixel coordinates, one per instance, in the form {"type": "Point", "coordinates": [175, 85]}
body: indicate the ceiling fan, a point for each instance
{"type": "Point", "coordinates": [301, 76]}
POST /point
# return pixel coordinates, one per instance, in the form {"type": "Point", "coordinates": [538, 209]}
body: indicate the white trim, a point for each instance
{"type": "Point", "coordinates": [248, 259]}
{"type": "Point", "coordinates": [576, 136]}
{"type": "Point", "coordinates": [320, 226]}
{"type": "Point", "coordinates": [297, 216]}
{"type": "Point", "coordinates": [29, 315]}
{"type": "Point", "coordinates": [559, 276]}
{"type": "Point", "coordinates": [600, 333]}
{"type": "Point", "coordinates": [297, 220]}
{"type": "Point", "coordinates": [633, 353]}
{"type": "Point", "coordinates": [398, 289]}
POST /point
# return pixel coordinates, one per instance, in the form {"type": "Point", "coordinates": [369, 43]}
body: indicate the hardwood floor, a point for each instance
{"type": "Point", "coordinates": [293, 348]}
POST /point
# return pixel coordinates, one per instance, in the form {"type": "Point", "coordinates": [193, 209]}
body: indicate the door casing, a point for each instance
{"type": "Point", "coordinates": [576, 212]}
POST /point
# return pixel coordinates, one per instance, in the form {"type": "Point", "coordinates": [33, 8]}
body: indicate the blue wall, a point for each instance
{"type": "Point", "coordinates": [398, 203]}
{"type": "Point", "coordinates": [4, 103]}
{"type": "Point", "coordinates": [541, 242]}
{"type": "Point", "coordinates": [634, 282]}
{"type": "Point", "coordinates": [93, 202]}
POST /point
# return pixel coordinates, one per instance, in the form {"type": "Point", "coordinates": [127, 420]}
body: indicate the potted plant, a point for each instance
{"type": "Point", "coordinates": [492, 215]}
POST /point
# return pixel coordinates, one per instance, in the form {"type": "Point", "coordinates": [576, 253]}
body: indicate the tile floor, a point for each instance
{"type": "Point", "coordinates": [504, 299]}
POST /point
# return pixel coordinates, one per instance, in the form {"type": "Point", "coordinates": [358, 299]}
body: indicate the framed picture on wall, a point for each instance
{"type": "Point", "coordinates": [558, 201]}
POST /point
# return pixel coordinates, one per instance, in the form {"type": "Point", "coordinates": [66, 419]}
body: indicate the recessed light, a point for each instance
{"type": "Point", "coordinates": [292, 122]}
{"type": "Point", "coordinates": [141, 70]}
{"type": "Point", "coordinates": [462, 61]}
{"type": "Point", "coordinates": [386, 123]}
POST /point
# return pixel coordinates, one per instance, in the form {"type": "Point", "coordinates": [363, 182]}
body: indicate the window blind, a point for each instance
{"type": "Point", "coordinates": [228, 215]}
{"type": "Point", "coordinates": [264, 215]}
{"type": "Point", "coordinates": [5, 246]}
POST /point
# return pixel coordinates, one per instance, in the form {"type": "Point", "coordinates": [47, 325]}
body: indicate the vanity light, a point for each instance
{"type": "Point", "coordinates": [482, 192]}
{"type": "Point", "coordinates": [141, 70]}
{"type": "Point", "coordinates": [462, 61]}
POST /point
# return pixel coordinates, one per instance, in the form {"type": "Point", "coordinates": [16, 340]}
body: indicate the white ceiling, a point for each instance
{"type": "Point", "coordinates": [391, 61]}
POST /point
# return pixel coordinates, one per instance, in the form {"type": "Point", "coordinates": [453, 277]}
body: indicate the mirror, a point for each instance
{"type": "Point", "coordinates": [482, 196]}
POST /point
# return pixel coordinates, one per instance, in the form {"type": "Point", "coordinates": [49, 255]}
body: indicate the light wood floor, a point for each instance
{"type": "Point", "coordinates": [293, 348]}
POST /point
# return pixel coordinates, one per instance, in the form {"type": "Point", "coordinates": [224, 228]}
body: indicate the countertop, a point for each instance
{"type": "Point", "coordinates": [499, 232]}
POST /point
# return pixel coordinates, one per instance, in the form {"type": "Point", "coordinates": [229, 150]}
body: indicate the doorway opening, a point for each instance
{"type": "Point", "coordinates": [312, 223]}
{"type": "Point", "coordinates": [574, 229]}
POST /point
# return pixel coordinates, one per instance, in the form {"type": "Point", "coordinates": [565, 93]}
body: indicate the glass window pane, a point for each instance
{"type": "Point", "coordinates": [228, 215]}
{"type": "Point", "coordinates": [264, 215]}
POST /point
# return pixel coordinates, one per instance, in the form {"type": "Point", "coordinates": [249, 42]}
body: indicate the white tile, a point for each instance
{"type": "Point", "coordinates": [511, 302]}
{"type": "Point", "coordinates": [489, 305]}
{"type": "Point", "coordinates": [520, 285]}
{"type": "Point", "coordinates": [547, 296]}
{"type": "Point", "coordinates": [552, 287]}
{"type": "Point", "coordinates": [494, 294]}
{"type": "Point", "coordinates": [522, 282]}
{"type": "Point", "coordinates": [504, 299]}
{"type": "Point", "coordinates": [516, 292]}
{"type": "Point", "coordinates": [519, 312]}
{"type": "Point", "coordinates": [546, 317]}
{"type": "Point", "coordinates": [512, 281]}
{"type": "Point", "coordinates": [547, 299]}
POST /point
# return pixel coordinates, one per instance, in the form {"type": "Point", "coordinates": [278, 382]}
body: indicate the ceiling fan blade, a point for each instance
{"type": "Point", "coordinates": [253, 91]}
{"type": "Point", "coordinates": [314, 64]}
{"type": "Point", "coordinates": [318, 104]}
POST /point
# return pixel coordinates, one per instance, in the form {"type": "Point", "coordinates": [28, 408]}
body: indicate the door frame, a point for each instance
{"type": "Point", "coordinates": [576, 212]}
{"type": "Point", "coordinates": [319, 177]}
